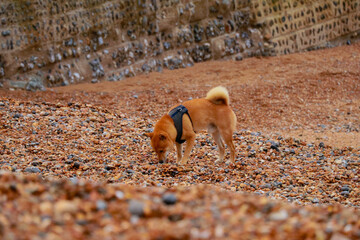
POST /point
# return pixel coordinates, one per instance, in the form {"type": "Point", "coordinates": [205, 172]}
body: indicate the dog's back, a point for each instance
{"type": "Point", "coordinates": [213, 110]}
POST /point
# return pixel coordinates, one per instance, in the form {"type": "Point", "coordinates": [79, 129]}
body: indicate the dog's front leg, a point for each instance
{"type": "Point", "coordinates": [189, 145]}
{"type": "Point", "coordinates": [179, 151]}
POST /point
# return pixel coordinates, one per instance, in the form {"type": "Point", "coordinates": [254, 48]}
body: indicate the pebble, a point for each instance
{"type": "Point", "coordinates": [252, 153]}
{"type": "Point", "coordinates": [345, 188]}
{"type": "Point", "coordinates": [119, 195]}
{"type": "Point", "coordinates": [267, 185]}
{"type": "Point", "coordinates": [100, 41]}
{"type": "Point", "coordinates": [108, 168]}
{"type": "Point", "coordinates": [64, 206]}
{"type": "Point", "coordinates": [32, 170]}
{"type": "Point", "coordinates": [17, 115]}
{"type": "Point", "coordinates": [58, 57]}
{"type": "Point", "coordinates": [238, 58]}
{"type": "Point", "coordinates": [101, 205]}
{"type": "Point", "coordinates": [315, 200]}
{"type": "Point", "coordinates": [279, 216]}
{"type": "Point", "coordinates": [6, 33]}
{"type": "Point", "coordinates": [275, 147]}
{"type": "Point", "coordinates": [76, 165]}
{"type": "Point", "coordinates": [74, 180]}
{"type": "Point", "coordinates": [169, 199]}
{"type": "Point", "coordinates": [136, 208]}
{"type": "Point", "coordinates": [345, 193]}
{"type": "Point", "coordinates": [36, 163]}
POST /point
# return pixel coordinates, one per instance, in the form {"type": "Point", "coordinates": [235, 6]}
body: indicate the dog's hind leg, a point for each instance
{"type": "Point", "coordinates": [179, 151]}
{"type": "Point", "coordinates": [227, 135]}
{"type": "Point", "coordinates": [219, 142]}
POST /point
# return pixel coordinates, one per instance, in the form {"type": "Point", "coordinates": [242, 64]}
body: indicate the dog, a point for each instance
{"type": "Point", "coordinates": [182, 122]}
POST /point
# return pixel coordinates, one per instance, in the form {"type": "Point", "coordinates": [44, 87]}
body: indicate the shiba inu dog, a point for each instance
{"type": "Point", "coordinates": [182, 122]}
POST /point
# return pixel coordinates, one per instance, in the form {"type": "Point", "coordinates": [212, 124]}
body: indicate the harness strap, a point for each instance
{"type": "Point", "coordinates": [177, 115]}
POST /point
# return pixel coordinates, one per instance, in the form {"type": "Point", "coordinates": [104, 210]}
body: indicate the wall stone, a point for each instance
{"type": "Point", "coordinates": [45, 43]}
{"type": "Point", "coordinates": [294, 25]}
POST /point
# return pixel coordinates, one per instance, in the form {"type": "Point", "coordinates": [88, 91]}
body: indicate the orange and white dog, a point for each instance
{"type": "Point", "coordinates": [182, 122]}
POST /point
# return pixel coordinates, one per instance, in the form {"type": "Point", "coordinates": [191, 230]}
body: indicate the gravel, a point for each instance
{"type": "Point", "coordinates": [87, 172]}
{"type": "Point", "coordinates": [77, 165]}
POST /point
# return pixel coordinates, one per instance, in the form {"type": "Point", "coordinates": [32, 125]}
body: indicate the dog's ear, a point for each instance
{"type": "Point", "coordinates": [149, 134]}
{"type": "Point", "coordinates": [162, 137]}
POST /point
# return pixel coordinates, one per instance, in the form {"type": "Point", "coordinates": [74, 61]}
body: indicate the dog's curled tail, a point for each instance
{"type": "Point", "coordinates": [218, 95]}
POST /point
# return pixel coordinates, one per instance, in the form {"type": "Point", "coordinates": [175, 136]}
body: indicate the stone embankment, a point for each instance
{"type": "Point", "coordinates": [45, 43]}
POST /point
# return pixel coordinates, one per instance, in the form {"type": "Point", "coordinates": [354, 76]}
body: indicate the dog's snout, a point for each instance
{"type": "Point", "coordinates": [161, 161]}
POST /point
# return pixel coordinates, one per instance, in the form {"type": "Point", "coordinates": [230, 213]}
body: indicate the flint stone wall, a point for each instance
{"type": "Point", "coordinates": [58, 42]}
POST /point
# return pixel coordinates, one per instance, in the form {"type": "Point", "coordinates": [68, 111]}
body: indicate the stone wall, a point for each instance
{"type": "Point", "coordinates": [45, 43]}
{"type": "Point", "coordinates": [293, 25]}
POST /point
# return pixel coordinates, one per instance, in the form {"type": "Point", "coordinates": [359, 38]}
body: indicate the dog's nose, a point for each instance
{"type": "Point", "coordinates": [161, 161]}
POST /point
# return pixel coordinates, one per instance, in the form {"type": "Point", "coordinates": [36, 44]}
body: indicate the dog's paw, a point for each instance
{"type": "Point", "coordinates": [228, 162]}
{"type": "Point", "coordinates": [218, 161]}
{"type": "Point", "coordinates": [183, 162]}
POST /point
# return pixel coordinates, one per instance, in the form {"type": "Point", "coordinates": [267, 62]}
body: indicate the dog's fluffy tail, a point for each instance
{"type": "Point", "coordinates": [218, 95]}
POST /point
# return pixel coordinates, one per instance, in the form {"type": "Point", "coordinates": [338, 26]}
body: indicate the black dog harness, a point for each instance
{"type": "Point", "coordinates": [177, 115]}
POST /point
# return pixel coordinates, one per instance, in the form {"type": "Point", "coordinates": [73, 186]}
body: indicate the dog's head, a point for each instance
{"type": "Point", "coordinates": [161, 143]}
